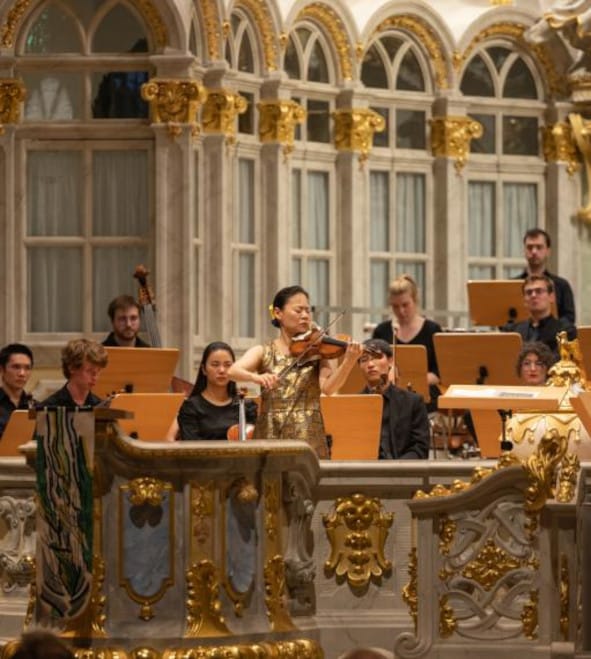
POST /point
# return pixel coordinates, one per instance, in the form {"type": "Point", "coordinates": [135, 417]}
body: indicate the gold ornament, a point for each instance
{"type": "Point", "coordinates": [174, 102]}
{"type": "Point", "coordinates": [354, 130]}
{"type": "Point", "coordinates": [564, 590]}
{"type": "Point", "coordinates": [220, 111]}
{"type": "Point", "coordinates": [559, 146]}
{"type": "Point", "coordinates": [409, 592]}
{"type": "Point", "coordinates": [12, 94]}
{"type": "Point", "coordinates": [490, 565]}
{"type": "Point", "coordinates": [529, 616]}
{"type": "Point", "coordinates": [278, 119]}
{"type": "Point", "coordinates": [274, 575]}
{"type": "Point", "coordinates": [447, 620]}
{"type": "Point", "coordinates": [204, 618]}
{"type": "Point", "coordinates": [451, 137]}
{"type": "Point", "coordinates": [264, 24]}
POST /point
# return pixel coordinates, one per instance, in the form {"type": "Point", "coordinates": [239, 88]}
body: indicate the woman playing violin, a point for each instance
{"type": "Point", "coordinates": [213, 406]}
{"type": "Point", "coordinates": [291, 386]}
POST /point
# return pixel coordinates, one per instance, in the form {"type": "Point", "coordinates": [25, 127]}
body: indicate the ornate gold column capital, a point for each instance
{"type": "Point", "coordinates": [174, 102]}
{"type": "Point", "coordinates": [354, 129]}
{"type": "Point", "coordinates": [220, 111]}
{"type": "Point", "coordinates": [559, 145]}
{"type": "Point", "coordinates": [12, 94]}
{"type": "Point", "coordinates": [451, 136]}
{"type": "Point", "coordinates": [581, 132]}
{"type": "Point", "coordinates": [277, 122]}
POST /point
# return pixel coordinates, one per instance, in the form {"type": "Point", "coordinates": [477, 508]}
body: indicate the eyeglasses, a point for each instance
{"type": "Point", "coordinates": [528, 292]}
{"type": "Point", "coordinates": [529, 364]}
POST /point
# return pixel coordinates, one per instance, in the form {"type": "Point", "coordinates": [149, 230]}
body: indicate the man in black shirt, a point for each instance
{"type": "Point", "coordinates": [538, 293]}
{"type": "Point", "coordinates": [16, 364]}
{"type": "Point", "coordinates": [405, 425]}
{"type": "Point", "coordinates": [536, 244]}
{"type": "Point", "coordinates": [124, 313]}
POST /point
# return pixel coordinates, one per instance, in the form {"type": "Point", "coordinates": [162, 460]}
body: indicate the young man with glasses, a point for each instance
{"type": "Point", "coordinates": [538, 294]}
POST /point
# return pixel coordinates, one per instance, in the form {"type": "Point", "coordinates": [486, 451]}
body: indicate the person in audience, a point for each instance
{"type": "Point", "coordinates": [405, 433]}
{"type": "Point", "coordinates": [533, 362]}
{"type": "Point", "coordinates": [538, 294]}
{"type": "Point", "coordinates": [536, 245]}
{"type": "Point", "coordinates": [16, 364]}
{"type": "Point", "coordinates": [409, 327]}
{"type": "Point", "coordinates": [124, 313]}
{"type": "Point", "coordinates": [82, 362]}
{"type": "Point", "coordinates": [290, 395]}
{"type": "Point", "coordinates": [212, 407]}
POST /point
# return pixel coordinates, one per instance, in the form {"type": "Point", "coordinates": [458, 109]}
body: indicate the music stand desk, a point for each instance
{"type": "Point", "coordinates": [152, 414]}
{"type": "Point", "coordinates": [584, 336]}
{"type": "Point", "coordinates": [582, 406]}
{"type": "Point", "coordinates": [145, 370]}
{"type": "Point", "coordinates": [19, 430]}
{"type": "Point", "coordinates": [462, 355]}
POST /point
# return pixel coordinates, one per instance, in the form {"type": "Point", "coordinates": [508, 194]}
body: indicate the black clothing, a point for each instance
{"type": "Point", "coordinates": [200, 419]}
{"type": "Point", "coordinates": [110, 341]}
{"type": "Point", "coordinates": [545, 331]}
{"type": "Point", "coordinates": [405, 426]}
{"type": "Point", "coordinates": [565, 300]}
{"type": "Point", "coordinates": [63, 398]}
{"type": "Point", "coordinates": [424, 337]}
{"type": "Point", "coordinates": [7, 407]}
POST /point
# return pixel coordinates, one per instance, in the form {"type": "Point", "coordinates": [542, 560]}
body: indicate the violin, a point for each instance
{"type": "Point", "coordinates": [316, 344]}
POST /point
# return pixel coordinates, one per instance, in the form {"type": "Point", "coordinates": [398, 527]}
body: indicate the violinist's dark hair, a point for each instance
{"type": "Point", "coordinates": [379, 345]}
{"type": "Point", "coordinates": [14, 349]}
{"type": "Point", "coordinates": [535, 233]}
{"type": "Point", "coordinates": [201, 381]}
{"type": "Point", "coordinates": [283, 296]}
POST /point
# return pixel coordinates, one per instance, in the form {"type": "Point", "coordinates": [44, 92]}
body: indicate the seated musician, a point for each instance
{"type": "Point", "coordinates": [16, 364]}
{"type": "Point", "coordinates": [538, 295]}
{"type": "Point", "coordinates": [124, 313]}
{"type": "Point", "coordinates": [533, 362]}
{"type": "Point", "coordinates": [405, 426]}
{"type": "Point", "coordinates": [82, 362]}
{"type": "Point", "coordinates": [213, 406]}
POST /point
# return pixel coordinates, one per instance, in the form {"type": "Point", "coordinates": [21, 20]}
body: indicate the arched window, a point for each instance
{"type": "Point", "coordinates": [86, 200]}
{"type": "Point", "coordinates": [504, 93]}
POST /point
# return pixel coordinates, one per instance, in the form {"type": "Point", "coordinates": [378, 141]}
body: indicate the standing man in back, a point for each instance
{"type": "Point", "coordinates": [124, 313]}
{"type": "Point", "coordinates": [536, 245]}
{"type": "Point", "coordinates": [16, 364]}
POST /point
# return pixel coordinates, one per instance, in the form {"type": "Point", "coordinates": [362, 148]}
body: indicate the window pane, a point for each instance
{"type": "Point", "coordinates": [318, 287]}
{"type": "Point", "coordinates": [410, 129]}
{"type": "Point", "coordinates": [317, 210]}
{"type": "Point", "coordinates": [303, 34]}
{"type": "Point", "coordinates": [410, 76]}
{"type": "Point", "coordinates": [520, 207]}
{"type": "Point", "coordinates": [296, 270]}
{"type": "Point", "coordinates": [296, 208]}
{"type": "Point", "coordinates": [383, 138]}
{"type": "Point", "coordinates": [378, 283]}
{"type": "Point", "coordinates": [246, 229]}
{"type": "Point", "coordinates": [520, 82]}
{"type": "Point", "coordinates": [410, 213]}
{"type": "Point", "coordinates": [477, 80]}
{"type": "Point", "coordinates": [392, 45]}
{"type": "Point", "coordinates": [246, 288]}
{"type": "Point", "coordinates": [120, 32]}
{"type": "Point", "coordinates": [245, 56]}
{"type": "Point", "coordinates": [481, 218]}
{"type": "Point", "coordinates": [317, 122]}
{"type": "Point", "coordinates": [481, 272]}
{"type": "Point", "coordinates": [54, 31]}
{"type": "Point", "coordinates": [373, 71]}
{"type": "Point", "coordinates": [117, 95]}
{"type": "Point", "coordinates": [54, 289]}
{"type": "Point", "coordinates": [379, 200]}
{"type": "Point", "coordinates": [498, 55]}
{"type": "Point", "coordinates": [54, 185]}
{"type": "Point", "coordinates": [317, 66]}
{"type": "Point", "coordinates": [486, 143]}
{"type": "Point", "coordinates": [57, 97]}
{"type": "Point", "coordinates": [246, 119]}
{"type": "Point", "coordinates": [112, 269]}
{"type": "Point", "coordinates": [120, 202]}
{"type": "Point", "coordinates": [511, 271]}
{"type": "Point", "coordinates": [291, 62]}
{"type": "Point", "coordinates": [520, 136]}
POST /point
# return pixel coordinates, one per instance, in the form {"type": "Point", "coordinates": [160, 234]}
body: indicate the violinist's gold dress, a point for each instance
{"type": "Point", "coordinates": [292, 409]}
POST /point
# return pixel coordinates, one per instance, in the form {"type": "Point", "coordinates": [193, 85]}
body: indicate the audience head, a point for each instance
{"type": "Point", "coordinates": [291, 307]}
{"type": "Point", "coordinates": [376, 361]}
{"type": "Point", "coordinates": [38, 645]}
{"type": "Point", "coordinates": [16, 363]}
{"type": "Point", "coordinates": [533, 363]}
{"type": "Point", "coordinates": [215, 363]}
{"type": "Point", "coordinates": [124, 313]}
{"type": "Point", "coordinates": [536, 245]}
{"type": "Point", "coordinates": [83, 359]}
{"type": "Point", "coordinates": [404, 297]}
{"type": "Point", "coordinates": [538, 295]}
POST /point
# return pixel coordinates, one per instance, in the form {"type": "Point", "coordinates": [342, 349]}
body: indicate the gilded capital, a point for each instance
{"type": "Point", "coordinates": [12, 94]}
{"type": "Point", "coordinates": [559, 146]}
{"type": "Point", "coordinates": [581, 131]}
{"type": "Point", "coordinates": [174, 102]}
{"type": "Point", "coordinates": [220, 111]}
{"type": "Point", "coordinates": [451, 137]}
{"type": "Point", "coordinates": [277, 122]}
{"type": "Point", "coordinates": [354, 129]}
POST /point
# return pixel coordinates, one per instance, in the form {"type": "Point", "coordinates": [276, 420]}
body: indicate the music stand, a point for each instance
{"type": "Point", "coordinates": [584, 336]}
{"type": "Point", "coordinates": [19, 430]}
{"type": "Point", "coordinates": [582, 406]}
{"type": "Point", "coordinates": [499, 402]}
{"type": "Point", "coordinates": [496, 302]}
{"type": "Point", "coordinates": [137, 370]}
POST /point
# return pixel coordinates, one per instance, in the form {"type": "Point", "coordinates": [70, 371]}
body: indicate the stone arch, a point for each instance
{"type": "Point", "coordinates": [263, 20]}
